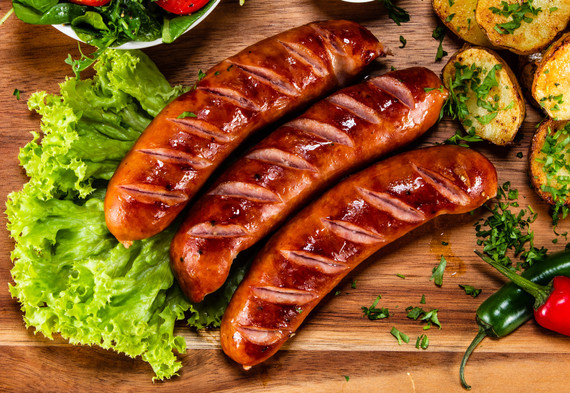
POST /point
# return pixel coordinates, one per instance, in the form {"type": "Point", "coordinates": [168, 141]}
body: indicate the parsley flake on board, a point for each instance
{"type": "Point", "coordinates": [397, 14]}
{"type": "Point", "coordinates": [403, 41]}
{"type": "Point", "coordinates": [374, 313]}
{"type": "Point", "coordinates": [437, 272]}
{"type": "Point", "coordinates": [470, 290]}
{"type": "Point", "coordinates": [16, 94]}
{"type": "Point", "coordinates": [439, 34]}
{"type": "Point", "coordinates": [401, 337]}
{"type": "Point", "coordinates": [517, 12]}
{"type": "Point", "coordinates": [422, 342]}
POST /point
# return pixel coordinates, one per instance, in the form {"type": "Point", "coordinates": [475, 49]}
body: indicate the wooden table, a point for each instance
{"type": "Point", "coordinates": [336, 341]}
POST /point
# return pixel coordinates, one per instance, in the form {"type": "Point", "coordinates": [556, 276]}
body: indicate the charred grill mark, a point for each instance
{"type": "Point", "coordinates": [305, 56]}
{"type": "Point", "coordinates": [232, 96]}
{"type": "Point", "coordinates": [207, 230]}
{"type": "Point", "coordinates": [285, 296]}
{"type": "Point", "coordinates": [391, 205]}
{"type": "Point", "coordinates": [236, 189]}
{"type": "Point", "coordinates": [355, 107]}
{"type": "Point", "coordinates": [313, 261]}
{"type": "Point", "coordinates": [170, 155]}
{"type": "Point", "coordinates": [146, 193]}
{"type": "Point", "coordinates": [261, 336]}
{"type": "Point", "coordinates": [202, 129]}
{"type": "Point", "coordinates": [271, 78]}
{"type": "Point", "coordinates": [322, 130]}
{"type": "Point", "coordinates": [352, 232]}
{"type": "Point", "coordinates": [281, 158]}
{"type": "Point", "coordinates": [329, 39]}
{"type": "Point", "coordinates": [443, 185]}
{"type": "Point", "coordinates": [395, 88]}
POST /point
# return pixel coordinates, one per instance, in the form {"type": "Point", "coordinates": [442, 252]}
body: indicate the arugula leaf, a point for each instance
{"type": "Point", "coordinates": [437, 272]}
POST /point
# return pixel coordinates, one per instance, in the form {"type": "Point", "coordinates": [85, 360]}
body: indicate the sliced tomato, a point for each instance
{"type": "Point", "coordinates": [93, 3]}
{"type": "Point", "coordinates": [182, 7]}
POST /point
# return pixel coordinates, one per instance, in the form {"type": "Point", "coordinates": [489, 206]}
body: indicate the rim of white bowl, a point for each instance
{"type": "Point", "coordinates": [358, 1]}
{"type": "Point", "coordinates": [68, 31]}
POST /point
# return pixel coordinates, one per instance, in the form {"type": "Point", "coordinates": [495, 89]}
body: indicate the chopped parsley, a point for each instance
{"type": "Point", "coordinates": [373, 313]}
{"type": "Point", "coordinates": [397, 14]}
{"type": "Point", "coordinates": [353, 284]}
{"type": "Point", "coordinates": [449, 17]}
{"type": "Point", "coordinates": [437, 272]}
{"type": "Point", "coordinates": [517, 12]}
{"type": "Point", "coordinates": [184, 115]}
{"type": "Point", "coordinates": [401, 276]}
{"type": "Point", "coordinates": [520, 154]}
{"type": "Point", "coordinates": [346, 377]}
{"type": "Point", "coordinates": [423, 299]}
{"type": "Point", "coordinates": [470, 290]}
{"type": "Point", "coordinates": [401, 337]}
{"type": "Point", "coordinates": [439, 34]}
{"type": "Point", "coordinates": [504, 230]}
{"type": "Point", "coordinates": [559, 99]}
{"type": "Point", "coordinates": [403, 41]}
{"type": "Point", "coordinates": [422, 342]}
{"type": "Point", "coordinates": [462, 140]}
{"type": "Point", "coordinates": [16, 93]}
{"type": "Point", "coordinates": [430, 317]}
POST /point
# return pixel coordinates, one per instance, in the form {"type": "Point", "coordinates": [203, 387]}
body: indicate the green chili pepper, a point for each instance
{"type": "Point", "coordinates": [510, 307]}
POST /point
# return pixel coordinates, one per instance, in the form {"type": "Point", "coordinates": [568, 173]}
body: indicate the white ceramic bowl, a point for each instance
{"type": "Point", "coordinates": [68, 31]}
{"type": "Point", "coordinates": [358, 1]}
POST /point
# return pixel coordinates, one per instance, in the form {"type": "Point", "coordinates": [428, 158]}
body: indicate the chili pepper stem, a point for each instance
{"type": "Point", "coordinates": [476, 341]}
{"type": "Point", "coordinates": [540, 292]}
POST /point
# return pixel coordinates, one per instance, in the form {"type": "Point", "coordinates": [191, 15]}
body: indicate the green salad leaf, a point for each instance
{"type": "Point", "coordinates": [70, 274]}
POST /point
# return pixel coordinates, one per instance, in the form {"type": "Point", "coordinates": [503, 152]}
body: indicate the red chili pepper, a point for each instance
{"type": "Point", "coordinates": [552, 304]}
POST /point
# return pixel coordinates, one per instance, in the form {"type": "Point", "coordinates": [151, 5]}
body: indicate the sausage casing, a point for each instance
{"type": "Point", "coordinates": [311, 254]}
{"type": "Point", "coordinates": [193, 134]}
{"type": "Point", "coordinates": [335, 136]}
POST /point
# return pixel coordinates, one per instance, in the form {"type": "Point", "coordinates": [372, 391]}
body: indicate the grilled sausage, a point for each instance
{"type": "Point", "coordinates": [336, 135]}
{"type": "Point", "coordinates": [311, 254]}
{"type": "Point", "coordinates": [191, 136]}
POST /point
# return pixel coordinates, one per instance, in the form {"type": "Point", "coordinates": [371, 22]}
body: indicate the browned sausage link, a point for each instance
{"type": "Point", "coordinates": [311, 254]}
{"type": "Point", "coordinates": [335, 136]}
{"type": "Point", "coordinates": [176, 154]}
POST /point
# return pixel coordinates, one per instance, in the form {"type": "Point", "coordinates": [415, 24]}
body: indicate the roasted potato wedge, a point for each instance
{"type": "Point", "coordinates": [550, 161]}
{"type": "Point", "coordinates": [527, 66]}
{"type": "Point", "coordinates": [459, 17]}
{"type": "Point", "coordinates": [485, 93]}
{"type": "Point", "coordinates": [529, 28]}
{"type": "Point", "coordinates": [551, 83]}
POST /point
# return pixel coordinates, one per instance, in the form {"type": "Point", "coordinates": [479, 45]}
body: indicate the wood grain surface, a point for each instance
{"type": "Point", "coordinates": [336, 341]}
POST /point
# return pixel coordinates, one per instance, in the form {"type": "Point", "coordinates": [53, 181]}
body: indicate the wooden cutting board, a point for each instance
{"type": "Point", "coordinates": [337, 349]}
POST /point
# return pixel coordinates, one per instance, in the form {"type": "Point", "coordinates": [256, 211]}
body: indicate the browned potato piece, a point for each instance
{"type": "Point", "coordinates": [527, 66]}
{"type": "Point", "coordinates": [549, 177]}
{"type": "Point", "coordinates": [500, 125]}
{"type": "Point", "coordinates": [551, 84]}
{"type": "Point", "coordinates": [530, 37]}
{"type": "Point", "coordinates": [459, 17]}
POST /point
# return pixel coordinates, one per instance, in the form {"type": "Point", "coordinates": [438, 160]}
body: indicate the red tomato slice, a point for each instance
{"type": "Point", "coordinates": [182, 7]}
{"type": "Point", "coordinates": [93, 3]}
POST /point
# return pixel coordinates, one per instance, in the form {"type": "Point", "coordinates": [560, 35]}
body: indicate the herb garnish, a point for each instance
{"type": "Point", "coordinates": [504, 231]}
{"type": "Point", "coordinates": [374, 313]}
{"type": "Point", "coordinates": [437, 272]}
{"type": "Point", "coordinates": [439, 34]}
{"type": "Point", "coordinates": [399, 335]}
{"type": "Point", "coordinates": [403, 41]}
{"type": "Point", "coordinates": [470, 290]}
{"type": "Point", "coordinates": [184, 115]}
{"type": "Point", "coordinates": [518, 12]}
{"type": "Point", "coordinates": [422, 342]}
{"type": "Point", "coordinates": [16, 93]}
{"type": "Point", "coordinates": [460, 139]}
{"type": "Point", "coordinates": [397, 14]}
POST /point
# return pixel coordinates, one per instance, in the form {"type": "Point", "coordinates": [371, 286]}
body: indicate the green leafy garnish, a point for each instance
{"type": "Point", "coordinates": [461, 139]}
{"type": "Point", "coordinates": [439, 34]}
{"type": "Point", "coordinates": [504, 230]}
{"type": "Point", "coordinates": [518, 12]}
{"type": "Point", "coordinates": [184, 115]}
{"type": "Point", "coordinates": [373, 312]}
{"type": "Point", "coordinates": [16, 94]}
{"type": "Point", "coordinates": [422, 341]}
{"type": "Point", "coordinates": [403, 41]}
{"type": "Point", "coordinates": [397, 14]}
{"type": "Point", "coordinates": [470, 290]}
{"type": "Point", "coordinates": [437, 272]}
{"type": "Point", "coordinates": [401, 337]}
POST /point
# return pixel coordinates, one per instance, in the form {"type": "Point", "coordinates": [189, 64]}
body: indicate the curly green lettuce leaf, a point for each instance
{"type": "Point", "coordinates": [70, 274]}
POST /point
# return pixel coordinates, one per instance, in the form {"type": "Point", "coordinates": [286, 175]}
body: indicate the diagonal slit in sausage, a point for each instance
{"type": "Point", "coordinates": [237, 97]}
{"type": "Point", "coordinates": [334, 137]}
{"type": "Point", "coordinates": [255, 326]}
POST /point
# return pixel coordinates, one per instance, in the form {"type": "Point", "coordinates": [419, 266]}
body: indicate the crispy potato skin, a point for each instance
{"type": "Point", "coordinates": [463, 23]}
{"type": "Point", "coordinates": [529, 37]}
{"type": "Point", "coordinates": [552, 79]}
{"type": "Point", "coordinates": [536, 168]}
{"type": "Point", "coordinates": [503, 129]}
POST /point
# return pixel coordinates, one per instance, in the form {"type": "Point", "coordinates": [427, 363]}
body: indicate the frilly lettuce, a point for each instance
{"type": "Point", "coordinates": [71, 276]}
